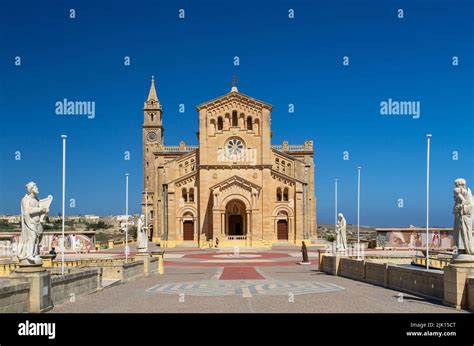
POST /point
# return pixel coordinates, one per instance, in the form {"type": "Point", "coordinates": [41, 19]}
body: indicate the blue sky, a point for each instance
{"type": "Point", "coordinates": [282, 61]}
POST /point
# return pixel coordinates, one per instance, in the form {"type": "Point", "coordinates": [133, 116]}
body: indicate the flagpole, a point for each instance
{"type": "Point", "coordinates": [63, 210]}
{"type": "Point", "coordinates": [335, 206]}
{"type": "Point", "coordinates": [358, 212]}
{"type": "Point", "coordinates": [428, 138]}
{"type": "Point", "coordinates": [126, 218]}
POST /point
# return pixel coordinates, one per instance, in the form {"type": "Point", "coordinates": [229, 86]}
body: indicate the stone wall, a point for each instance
{"type": "Point", "coordinates": [14, 297]}
{"type": "Point", "coordinates": [430, 284]}
{"type": "Point", "coordinates": [123, 271]}
{"type": "Point", "coordinates": [154, 265]}
{"type": "Point", "coordinates": [329, 264]}
{"type": "Point", "coordinates": [412, 280]}
{"type": "Point", "coordinates": [67, 286]}
{"type": "Point", "coordinates": [376, 273]}
{"type": "Point", "coordinates": [353, 269]}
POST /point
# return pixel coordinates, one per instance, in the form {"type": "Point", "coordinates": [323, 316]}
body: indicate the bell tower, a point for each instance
{"type": "Point", "coordinates": [152, 138]}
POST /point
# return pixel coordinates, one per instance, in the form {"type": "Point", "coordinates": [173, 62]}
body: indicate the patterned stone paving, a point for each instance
{"type": "Point", "coordinates": [245, 288]}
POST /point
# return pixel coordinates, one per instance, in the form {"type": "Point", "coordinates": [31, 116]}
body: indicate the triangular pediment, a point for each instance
{"type": "Point", "coordinates": [234, 97]}
{"type": "Point", "coordinates": [233, 181]}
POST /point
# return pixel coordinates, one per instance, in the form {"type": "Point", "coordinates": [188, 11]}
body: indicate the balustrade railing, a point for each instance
{"type": "Point", "coordinates": [236, 237]}
{"type": "Point", "coordinates": [177, 148]}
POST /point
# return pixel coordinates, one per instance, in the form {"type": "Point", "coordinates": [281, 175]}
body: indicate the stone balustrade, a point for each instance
{"type": "Point", "coordinates": [236, 237]}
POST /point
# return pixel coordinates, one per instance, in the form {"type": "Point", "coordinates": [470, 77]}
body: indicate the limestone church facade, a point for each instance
{"type": "Point", "coordinates": [234, 187]}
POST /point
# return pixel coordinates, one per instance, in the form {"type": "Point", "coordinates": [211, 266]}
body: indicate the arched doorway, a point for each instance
{"type": "Point", "coordinates": [150, 234]}
{"type": "Point", "coordinates": [235, 215]}
{"type": "Point", "coordinates": [188, 230]}
{"type": "Point", "coordinates": [282, 230]}
{"type": "Point", "coordinates": [188, 226]}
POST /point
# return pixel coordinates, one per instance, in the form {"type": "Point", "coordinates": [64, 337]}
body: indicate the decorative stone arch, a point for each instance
{"type": "Point", "coordinates": [284, 213]}
{"type": "Point", "coordinates": [226, 199]}
{"type": "Point", "coordinates": [186, 216]}
{"type": "Point", "coordinates": [234, 189]}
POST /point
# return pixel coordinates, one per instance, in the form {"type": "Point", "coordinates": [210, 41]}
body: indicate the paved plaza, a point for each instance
{"type": "Point", "coordinates": [271, 281]}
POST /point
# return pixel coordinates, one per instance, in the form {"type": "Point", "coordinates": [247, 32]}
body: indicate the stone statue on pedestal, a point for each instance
{"type": "Point", "coordinates": [341, 237]}
{"type": "Point", "coordinates": [463, 218]}
{"type": "Point", "coordinates": [142, 236]}
{"type": "Point", "coordinates": [33, 211]}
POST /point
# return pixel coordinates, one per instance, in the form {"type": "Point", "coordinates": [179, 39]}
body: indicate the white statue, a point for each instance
{"type": "Point", "coordinates": [142, 236]}
{"type": "Point", "coordinates": [341, 237]}
{"type": "Point", "coordinates": [463, 217]}
{"type": "Point", "coordinates": [33, 211]}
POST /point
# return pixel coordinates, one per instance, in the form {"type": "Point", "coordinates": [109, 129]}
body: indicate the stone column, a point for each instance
{"type": "Point", "coordinates": [195, 225]}
{"type": "Point", "coordinates": [145, 257]}
{"type": "Point", "coordinates": [249, 229]}
{"type": "Point", "coordinates": [222, 223]}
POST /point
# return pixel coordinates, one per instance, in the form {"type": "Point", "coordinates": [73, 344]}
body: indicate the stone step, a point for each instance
{"type": "Point", "coordinates": [191, 244]}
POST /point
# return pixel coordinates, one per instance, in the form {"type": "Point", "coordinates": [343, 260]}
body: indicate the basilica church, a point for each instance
{"type": "Point", "coordinates": [234, 188]}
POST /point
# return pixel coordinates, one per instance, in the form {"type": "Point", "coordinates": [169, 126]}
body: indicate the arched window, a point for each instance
{"type": "Point", "coordinates": [191, 194]}
{"type": "Point", "coordinates": [279, 194]}
{"type": "Point", "coordinates": [152, 116]}
{"type": "Point", "coordinates": [235, 120]}
{"type": "Point", "coordinates": [277, 164]}
{"type": "Point", "coordinates": [220, 124]}
{"type": "Point", "coordinates": [184, 195]}
{"type": "Point", "coordinates": [249, 123]}
{"type": "Point", "coordinates": [283, 166]}
{"type": "Point", "coordinates": [285, 194]}
{"type": "Point", "coordinates": [151, 214]}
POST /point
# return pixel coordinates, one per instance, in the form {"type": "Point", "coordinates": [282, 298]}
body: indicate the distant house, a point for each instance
{"type": "Point", "coordinates": [92, 218]}
{"type": "Point", "coordinates": [414, 237]}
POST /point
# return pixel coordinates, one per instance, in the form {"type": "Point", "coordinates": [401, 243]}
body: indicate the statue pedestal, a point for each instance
{"type": "Point", "coordinates": [145, 257]}
{"type": "Point", "coordinates": [40, 285]}
{"type": "Point", "coordinates": [455, 281]}
{"type": "Point", "coordinates": [160, 255]}
{"type": "Point", "coordinates": [48, 260]}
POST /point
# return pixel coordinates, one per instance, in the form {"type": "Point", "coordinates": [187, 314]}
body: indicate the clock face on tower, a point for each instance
{"type": "Point", "coordinates": [234, 148]}
{"type": "Point", "coordinates": [151, 136]}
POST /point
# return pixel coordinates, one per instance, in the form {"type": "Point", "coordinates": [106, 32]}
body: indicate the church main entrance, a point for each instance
{"type": "Point", "coordinates": [235, 212]}
{"type": "Point", "coordinates": [235, 225]}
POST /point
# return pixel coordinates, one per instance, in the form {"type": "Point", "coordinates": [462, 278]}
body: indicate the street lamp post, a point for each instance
{"type": "Point", "coordinates": [358, 212]}
{"type": "Point", "coordinates": [428, 138]}
{"type": "Point", "coordinates": [126, 218]}
{"type": "Point", "coordinates": [63, 203]}
{"type": "Point", "coordinates": [335, 206]}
